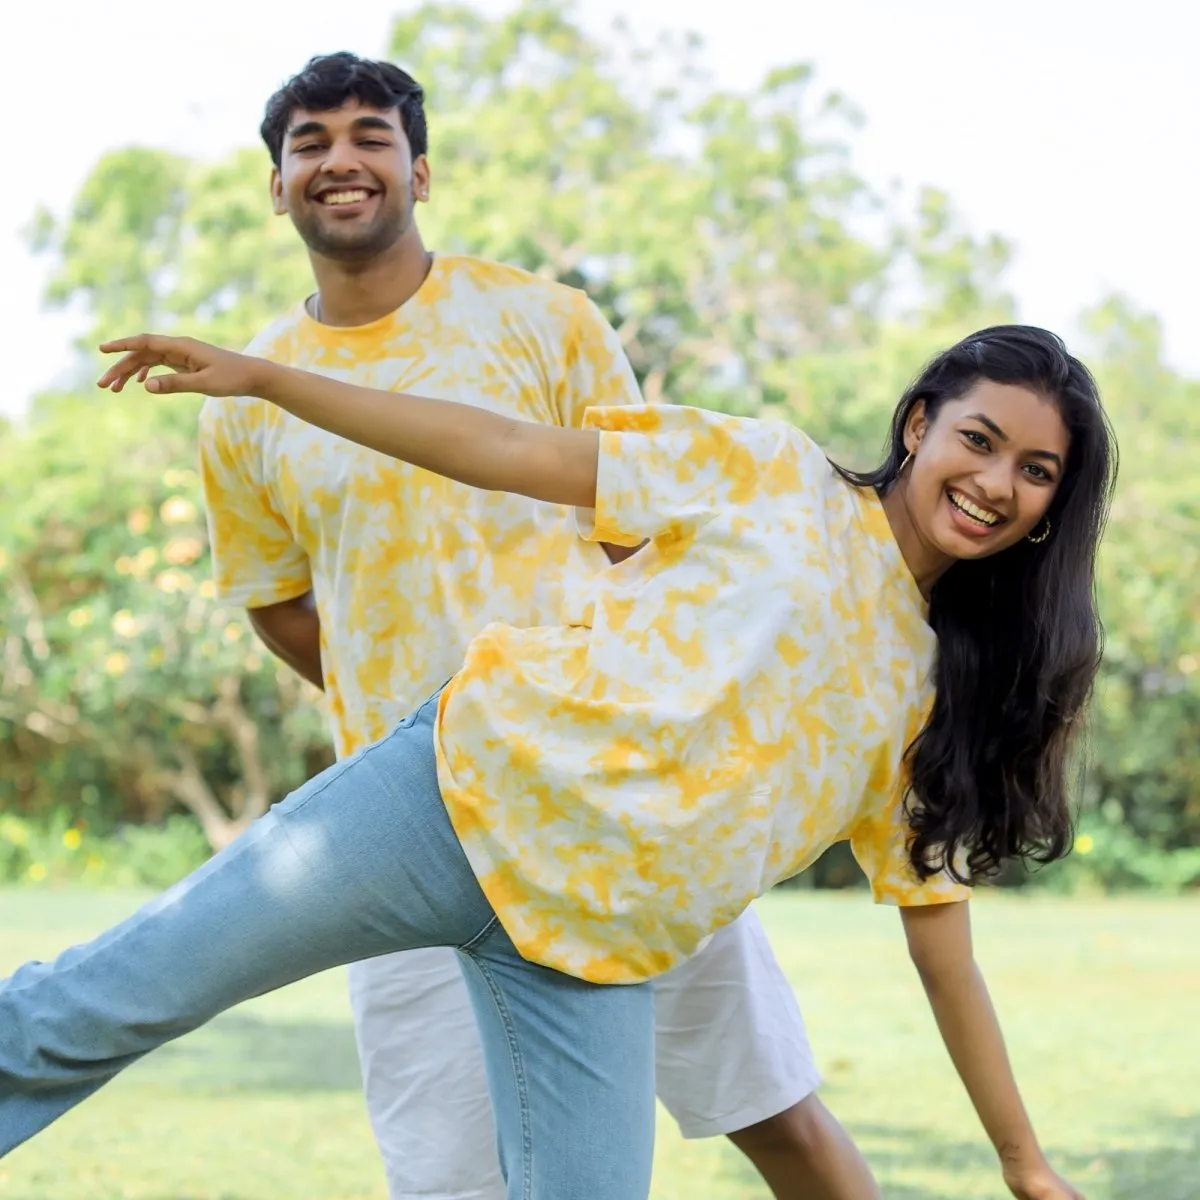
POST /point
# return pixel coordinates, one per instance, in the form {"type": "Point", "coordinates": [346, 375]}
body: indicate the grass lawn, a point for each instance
{"type": "Point", "coordinates": [1101, 1001]}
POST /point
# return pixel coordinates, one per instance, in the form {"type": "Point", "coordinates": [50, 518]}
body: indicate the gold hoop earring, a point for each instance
{"type": "Point", "coordinates": [907, 460]}
{"type": "Point", "coordinates": [1041, 537]}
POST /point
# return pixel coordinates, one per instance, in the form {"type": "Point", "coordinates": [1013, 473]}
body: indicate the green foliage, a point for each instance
{"type": "Point", "coordinates": [127, 685]}
{"type": "Point", "coordinates": [1145, 775]}
{"type": "Point", "coordinates": [1111, 857]}
{"type": "Point", "coordinates": [60, 850]}
{"type": "Point", "coordinates": [745, 265]}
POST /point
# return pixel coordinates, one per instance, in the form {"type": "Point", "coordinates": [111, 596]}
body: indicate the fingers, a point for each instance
{"type": "Point", "coordinates": [146, 350]}
{"type": "Point", "coordinates": [199, 367]}
{"type": "Point", "coordinates": [118, 374]}
{"type": "Point", "coordinates": [168, 385]}
{"type": "Point", "coordinates": [152, 343]}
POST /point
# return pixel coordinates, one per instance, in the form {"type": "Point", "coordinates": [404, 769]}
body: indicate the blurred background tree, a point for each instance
{"type": "Point", "coordinates": [745, 265]}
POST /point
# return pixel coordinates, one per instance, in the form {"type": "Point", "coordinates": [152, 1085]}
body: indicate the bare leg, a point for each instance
{"type": "Point", "coordinates": [804, 1154]}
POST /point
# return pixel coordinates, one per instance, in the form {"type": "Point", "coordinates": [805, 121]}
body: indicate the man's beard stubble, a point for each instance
{"type": "Point", "coordinates": [357, 246]}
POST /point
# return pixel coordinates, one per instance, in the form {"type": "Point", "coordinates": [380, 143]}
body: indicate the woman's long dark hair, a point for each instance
{"type": "Point", "coordinates": [1019, 635]}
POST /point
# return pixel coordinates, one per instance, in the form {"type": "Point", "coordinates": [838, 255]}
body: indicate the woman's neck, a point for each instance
{"type": "Point", "coordinates": [925, 562]}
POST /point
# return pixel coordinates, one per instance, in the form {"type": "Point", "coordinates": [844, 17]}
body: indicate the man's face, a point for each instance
{"type": "Point", "coordinates": [348, 181]}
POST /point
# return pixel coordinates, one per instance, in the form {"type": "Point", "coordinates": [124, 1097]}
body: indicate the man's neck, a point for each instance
{"type": "Point", "coordinates": [351, 294]}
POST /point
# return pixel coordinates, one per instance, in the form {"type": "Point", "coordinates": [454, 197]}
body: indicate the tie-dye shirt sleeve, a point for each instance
{"type": "Point", "coordinates": [595, 370]}
{"type": "Point", "coordinates": [256, 562]}
{"type": "Point", "coordinates": [880, 846]}
{"type": "Point", "coordinates": [665, 469]}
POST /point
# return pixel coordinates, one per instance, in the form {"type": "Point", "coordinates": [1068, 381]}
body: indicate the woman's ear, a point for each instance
{"type": "Point", "coordinates": [915, 426]}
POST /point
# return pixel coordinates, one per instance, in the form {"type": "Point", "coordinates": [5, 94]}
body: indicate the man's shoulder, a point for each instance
{"type": "Point", "coordinates": [512, 288]}
{"type": "Point", "coordinates": [270, 335]}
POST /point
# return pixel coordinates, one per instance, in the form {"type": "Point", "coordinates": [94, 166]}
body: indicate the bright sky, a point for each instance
{"type": "Point", "coordinates": [1070, 126]}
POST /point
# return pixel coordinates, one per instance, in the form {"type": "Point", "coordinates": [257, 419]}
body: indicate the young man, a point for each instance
{"type": "Point", "coordinates": [369, 577]}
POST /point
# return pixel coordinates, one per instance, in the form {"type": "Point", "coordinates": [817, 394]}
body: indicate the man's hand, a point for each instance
{"type": "Point", "coordinates": [198, 366]}
{"type": "Point", "coordinates": [1038, 1181]}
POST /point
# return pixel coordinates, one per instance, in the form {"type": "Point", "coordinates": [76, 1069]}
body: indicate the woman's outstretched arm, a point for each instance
{"type": "Point", "coordinates": [459, 441]}
{"type": "Point", "coordinates": [939, 942]}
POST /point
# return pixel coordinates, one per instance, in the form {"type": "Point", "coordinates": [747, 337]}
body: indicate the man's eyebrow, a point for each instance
{"type": "Point", "coordinates": [309, 127]}
{"type": "Point", "coordinates": [305, 128]}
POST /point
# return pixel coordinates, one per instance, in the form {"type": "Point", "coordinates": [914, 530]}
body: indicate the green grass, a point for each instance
{"type": "Point", "coordinates": [1100, 999]}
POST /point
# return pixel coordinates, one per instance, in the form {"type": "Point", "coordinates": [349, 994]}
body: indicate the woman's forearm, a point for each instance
{"type": "Point", "coordinates": [462, 442]}
{"type": "Point", "coordinates": [971, 1032]}
{"type": "Point", "coordinates": [941, 945]}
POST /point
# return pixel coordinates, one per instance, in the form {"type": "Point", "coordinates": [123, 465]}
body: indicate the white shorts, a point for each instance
{"type": "Point", "coordinates": [732, 1051]}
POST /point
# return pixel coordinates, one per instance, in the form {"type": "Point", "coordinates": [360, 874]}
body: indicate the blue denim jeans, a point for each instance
{"type": "Point", "coordinates": [360, 861]}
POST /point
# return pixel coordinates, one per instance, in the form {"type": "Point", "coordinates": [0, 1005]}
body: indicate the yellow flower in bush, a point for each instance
{"type": "Point", "coordinates": [14, 831]}
{"type": "Point", "coordinates": [232, 632]}
{"type": "Point", "coordinates": [137, 521]}
{"type": "Point", "coordinates": [125, 624]}
{"type": "Point", "coordinates": [1188, 663]}
{"type": "Point", "coordinates": [77, 618]}
{"type": "Point", "coordinates": [173, 581]}
{"type": "Point", "coordinates": [182, 551]}
{"type": "Point", "coordinates": [116, 663]}
{"type": "Point", "coordinates": [72, 839]}
{"type": "Point", "coordinates": [208, 590]}
{"type": "Point", "coordinates": [36, 872]}
{"type": "Point", "coordinates": [1085, 843]}
{"type": "Point", "coordinates": [177, 510]}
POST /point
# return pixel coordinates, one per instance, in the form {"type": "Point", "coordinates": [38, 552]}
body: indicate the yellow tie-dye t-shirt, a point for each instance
{"type": "Point", "coordinates": [405, 566]}
{"type": "Point", "coordinates": [712, 713]}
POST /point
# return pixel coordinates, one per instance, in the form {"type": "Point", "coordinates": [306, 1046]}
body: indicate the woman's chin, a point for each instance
{"type": "Point", "coordinates": [959, 545]}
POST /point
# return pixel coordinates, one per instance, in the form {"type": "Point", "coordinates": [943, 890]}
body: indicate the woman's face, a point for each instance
{"type": "Point", "coordinates": [983, 471]}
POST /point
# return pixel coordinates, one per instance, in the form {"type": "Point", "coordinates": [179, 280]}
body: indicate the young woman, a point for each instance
{"type": "Point", "coordinates": [798, 655]}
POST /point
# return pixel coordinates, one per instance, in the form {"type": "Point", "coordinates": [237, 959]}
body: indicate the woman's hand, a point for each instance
{"type": "Point", "coordinates": [1038, 1181]}
{"type": "Point", "coordinates": [198, 366]}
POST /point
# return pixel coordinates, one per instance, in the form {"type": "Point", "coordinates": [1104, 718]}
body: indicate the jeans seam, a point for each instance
{"type": "Point", "coordinates": [344, 764]}
{"type": "Point", "coordinates": [405, 723]}
{"type": "Point", "coordinates": [518, 1066]}
{"type": "Point", "coordinates": [484, 933]}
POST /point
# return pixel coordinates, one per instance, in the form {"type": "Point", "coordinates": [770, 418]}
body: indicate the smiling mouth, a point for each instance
{"type": "Point", "coordinates": [345, 197]}
{"type": "Point", "coordinates": [985, 518]}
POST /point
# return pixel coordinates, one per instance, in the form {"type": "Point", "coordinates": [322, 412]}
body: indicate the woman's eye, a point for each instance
{"type": "Point", "coordinates": [374, 143]}
{"type": "Point", "coordinates": [1039, 473]}
{"type": "Point", "coordinates": [976, 439]}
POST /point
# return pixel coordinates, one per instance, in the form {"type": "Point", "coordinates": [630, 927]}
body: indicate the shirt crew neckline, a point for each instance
{"type": "Point", "coordinates": [393, 321]}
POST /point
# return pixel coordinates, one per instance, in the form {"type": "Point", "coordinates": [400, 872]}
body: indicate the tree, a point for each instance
{"type": "Point", "coordinates": [125, 683]}
{"type": "Point", "coordinates": [1146, 773]}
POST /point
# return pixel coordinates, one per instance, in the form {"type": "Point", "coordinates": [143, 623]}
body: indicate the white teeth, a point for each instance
{"type": "Point", "coordinates": [972, 510]}
{"type": "Point", "coordinates": [343, 197]}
